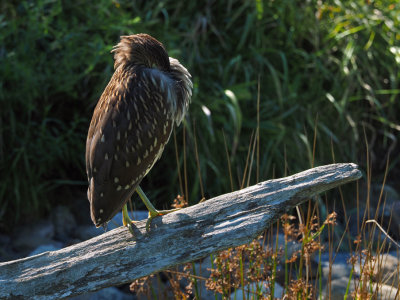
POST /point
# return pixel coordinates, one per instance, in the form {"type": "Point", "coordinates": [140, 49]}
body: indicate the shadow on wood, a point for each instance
{"type": "Point", "coordinates": [116, 257]}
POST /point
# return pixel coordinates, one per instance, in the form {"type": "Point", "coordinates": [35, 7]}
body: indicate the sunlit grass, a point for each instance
{"type": "Point", "coordinates": [252, 268]}
{"type": "Point", "coordinates": [279, 87]}
{"type": "Point", "coordinates": [262, 72]}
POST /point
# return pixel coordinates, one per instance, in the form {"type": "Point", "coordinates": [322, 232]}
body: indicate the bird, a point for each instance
{"type": "Point", "coordinates": [148, 94]}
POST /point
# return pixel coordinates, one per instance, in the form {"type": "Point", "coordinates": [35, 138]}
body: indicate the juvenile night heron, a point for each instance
{"type": "Point", "coordinates": [133, 120]}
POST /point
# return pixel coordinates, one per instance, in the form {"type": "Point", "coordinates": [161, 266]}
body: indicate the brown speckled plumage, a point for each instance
{"type": "Point", "coordinates": [132, 121]}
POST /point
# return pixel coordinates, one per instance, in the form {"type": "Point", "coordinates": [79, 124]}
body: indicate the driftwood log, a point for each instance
{"type": "Point", "coordinates": [117, 257]}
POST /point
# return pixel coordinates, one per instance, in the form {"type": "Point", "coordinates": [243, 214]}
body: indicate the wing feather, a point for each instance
{"type": "Point", "coordinates": [130, 126]}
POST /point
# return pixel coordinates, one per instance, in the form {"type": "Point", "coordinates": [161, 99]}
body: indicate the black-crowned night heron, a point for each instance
{"type": "Point", "coordinates": [147, 95]}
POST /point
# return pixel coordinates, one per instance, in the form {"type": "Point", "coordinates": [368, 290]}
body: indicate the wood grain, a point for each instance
{"type": "Point", "coordinates": [116, 257]}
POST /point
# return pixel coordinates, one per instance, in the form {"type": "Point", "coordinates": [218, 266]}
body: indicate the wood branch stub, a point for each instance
{"type": "Point", "coordinates": [116, 257]}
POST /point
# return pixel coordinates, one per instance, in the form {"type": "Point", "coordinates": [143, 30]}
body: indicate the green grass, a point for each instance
{"type": "Point", "coordinates": [253, 267]}
{"type": "Point", "coordinates": [272, 65]}
{"type": "Point", "coordinates": [279, 87]}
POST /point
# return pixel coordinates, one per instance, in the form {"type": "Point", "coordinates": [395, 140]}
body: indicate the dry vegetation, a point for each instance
{"type": "Point", "coordinates": [279, 86]}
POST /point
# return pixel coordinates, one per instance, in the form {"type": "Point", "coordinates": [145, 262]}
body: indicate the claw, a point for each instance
{"type": "Point", "coordinates": [130, 227]}
{"type": "Point", "coordinates": [155, 213]}
{"type": "Point", "coordinates": [126, 221]}
{"type": "Point", "coordinates": [148, 222]}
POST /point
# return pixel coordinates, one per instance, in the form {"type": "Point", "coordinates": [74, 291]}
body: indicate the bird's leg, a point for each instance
{"type": "Point", "coordinates": [153, 212]}
{"type": "Point", "coordinates": [125, 218]}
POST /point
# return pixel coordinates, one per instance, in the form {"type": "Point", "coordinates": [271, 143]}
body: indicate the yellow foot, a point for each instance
{"type": "Point", "coordinates": [156, 213]}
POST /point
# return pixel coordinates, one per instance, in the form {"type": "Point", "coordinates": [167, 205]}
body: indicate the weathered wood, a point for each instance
{"type": "Point", "coordinates": [116, 257]}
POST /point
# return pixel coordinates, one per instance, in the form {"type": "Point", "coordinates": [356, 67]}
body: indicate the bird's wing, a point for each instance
{"type": "Point", "coordinates": [131, 124]}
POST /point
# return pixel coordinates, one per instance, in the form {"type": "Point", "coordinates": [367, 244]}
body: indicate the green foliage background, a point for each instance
{"type": "Point", "coordinates": [330, 63]}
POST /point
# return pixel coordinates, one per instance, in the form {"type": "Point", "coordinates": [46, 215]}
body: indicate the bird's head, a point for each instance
{"type": "Point", "coordinates": [141, 49]}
